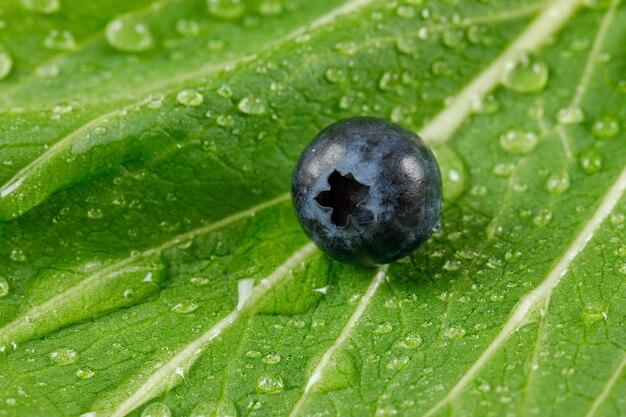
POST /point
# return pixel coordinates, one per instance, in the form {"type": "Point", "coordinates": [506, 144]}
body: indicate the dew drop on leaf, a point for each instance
{"type": "Point", "coordinates": [411, 341]}
{"type": "Point", "coordinates": [6, 62]}
{"type": "Point", "coordinates": [384, 328]}
{"type": "Point", "coordinates": [190, 97]}
{"type": "Point", "coordinates": [346, 48]}
{"type": "Point", "coordinates": [518, 141]}
{"type": "Point", "coordinates": [226, 9]}
{"type": "Point", "coordinates": [335, 75]}
{"type": "Point", "coordinates": [63, 356]}
{"type": "Point", "coordinates": [485, 105]}
{"type": "Point", "coordinates": [504, 170]}
{"type": "Point", "coordinates": [269, 384]}
{"type": "Point", "coordinates": [252, 105]}
{"type": "Point", "coordinates": [95, 214]}
{"type": "Point", "coordinates": [570, 116]}
{"type": "Point", "coordinates": [42, 6]}
{"type": "Point", "coordinates": [398, 363]}
{"type": "Point", "coordinates": [85, 373]}
{"type": "Point", "coordinates": [557, 183]}
{"type": "Point", "coordinates": [526, 75]}
{"type": "Point", "coordinates": [184, 307]}
{"type": "Point", "coordinates": [271, 359]}
{"type": "Point", "coordinates": [188, 28]}
{"type": "Point", "coordinates": [406, 12]}
{"type": "Point", "coordinates": [543, 217]}
{"type": "Point", "coordinates": [223, 408]}
{"type": "Point", "coordinates": [157, 410]}
{"type": "Point", "coordinates": [605, 127]}
{"type": "Point", "coordinates": [61, 40]}
{"type": "Point", "coordinates": [452, 38]}
{"type": "Point", "coordinates": [128, 34]}
{"type": "Point", "coordinates": [18, 255]}
{"type": "Point", "coordinates": [590, 161]}
{"type": "Point", "coordinates": [271, 7]}
{"type": "Point", "coordinates": [4, 287]}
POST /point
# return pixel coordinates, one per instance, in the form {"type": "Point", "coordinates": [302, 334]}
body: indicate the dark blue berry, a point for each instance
{"type": "Point", "coordinates": [367, 191]}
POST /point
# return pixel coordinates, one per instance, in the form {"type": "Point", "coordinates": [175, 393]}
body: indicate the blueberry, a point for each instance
{"type": "Point", "coordinates": [367, 191]}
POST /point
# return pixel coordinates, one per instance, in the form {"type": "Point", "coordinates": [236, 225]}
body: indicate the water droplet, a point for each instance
{"type": "Point", "coordinates": [18, 255]}
{"type": "Point", "coordinates": [62, 109]}
{"type": "Point", "coordinates": [478, 35]}
{"type": "Point", "coordinates": [48, 70]}
{"type": "Point", "coordinates": [346, 48]}
{"type": "Point", "coordinates": [571, 116]}
{"type": "Point", "coordinates": [593, 313]}
{"type": "Point", "coordinates": [4, 287]}
{"type": "Point", "coordinates": [6, 63]}
{"type": "Point", "coordinates": [224, 120]}
{"type": "Point", "coordinates": [271, 358]}
{"type": "Point", "coordinates": [590, 161]}
{"type": "Point", "coordinates": [335, 75]}
{"type": "Point", "coordinates": [223, 408]}
{"type": "Point", "coordinates": [190, 97]}
{"type": "Point", "coordinates": [128, 34]}
{"type": "Point", "coordinates": [252, 105]}
{"type": "Point", "coordinates": [485, 104]}
{"type": "Point", "coordinates": [452, 38]}
{"type": "Point", "coordinates": [518, 141]}
{"type": "Point", "coordinates": [85, 373]}
{"type": "Point", "coordinates": [271, 7]}
{"type": "Point", "coordinates": [226, 9]}
{"type": "Point", "coordinates": [185, 307]}
{"type": "Point", "coordinates": [199, 281]}
{"type": "Point", "coordinates": [454, 332]}
{"type": "Point", "coordinates": [63, 356]}
{"type": "Point", "coordinates": [478, 190]}
{"type": "Point", "coordinates": [42, 6]}
{"type": "Point", "coordinates": [62, 40]}
{"type": "Point", "coordinates": [345, 102]}
{"type": "Point", "coordinates": [157, 410]}
{"type": "Point", "coordinates": [411, 341]}
{"type": "Point", "coordinates": [441, 68]}
{"type": "Point", "coordinates": [617, 218]}
{"type": "Point", "coordinates": [406, 12]}
{"type": "Point", "coordinates": [398, 363]}
{"type": "Point", "coordinates": [504, 170]}
{"type": "Point", "coordinates": [406, 45]}
{"type": "Point", "coordinates": [543, 217]}
{"type": "Point", "coordinates": [605, 127]}
{"type": "Point", "coordinates": [95, 213]}
{"type": "Point", "coordinates": [269, 384]}
{"type": "Point", "coordinates": [188, 28]}
{"type": "Point", "coordinates": [526, 75]}
{"type": "Point", "coordinates": [558, 183]}
{"type": "Point", "coordinates": [384, 328]}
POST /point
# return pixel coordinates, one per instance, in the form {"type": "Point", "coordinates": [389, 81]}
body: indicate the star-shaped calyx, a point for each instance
{"type": "Point", "coordinates": [345, 197]}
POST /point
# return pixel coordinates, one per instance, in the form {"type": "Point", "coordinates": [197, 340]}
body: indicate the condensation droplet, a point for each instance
{"type": "Point", "coordinates": [190, 97]}
{"type": "Point", "coordinates": [18, 255]}
{"type": "Point", "coordinates": [61, 40]}
{"type": "Point", "coordinates": [605, 127]}
{"type": "Point", "coordinates": [42, 6]}
{"type": "Point", "coordinates": [184, 307]}
{"type": "Point", "coordinates": [188, 28]}
{"type": "Point", "coordinates": [85, 373]}
{"type": "Point", "coordinates": [571, 116]}
{"type": "Point", "coordinates": [271, 7]}
{"type": "Point", "coordinates": [590, 161]}
{"type": "Point", "coordinates": [558, 183]}
{"type": "Point", "coordinates": [128, 34]}
{"type": "Point", "coordinates": [226, 9]}
{"type": "Point", "coordinates": [4, 287]}
{"type": "Point", "coordinates": [519, 141]}
{"type": "Point", "coordinates": [543, 217]}
{"type": "Point", "coordinates": [411, 341]}
{"type": "Point", "coordinates": [384, 328]}
{"type": "Point", "coordinates": [271, 358]}
{"type": "Point", "coordinates": [268, 384]}
{"type": "Point", "coordinates": [526, 75]}
{"type": "Point", "coordinates": [485, 104]}
{"type": "Point", "coordinates": [63, 356]}
{"type": "Point", "coordinates": [335, 75]}
{"type": "Point", "coordinates": [252, 105]}
{"type": "Point", "coordinates": [157, 410]}
{"type": "Point", "coordinates": [6, 63]}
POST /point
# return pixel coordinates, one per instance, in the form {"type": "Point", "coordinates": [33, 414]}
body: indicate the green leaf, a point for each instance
{"type": "Point", "coordinates": [150, 260]}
